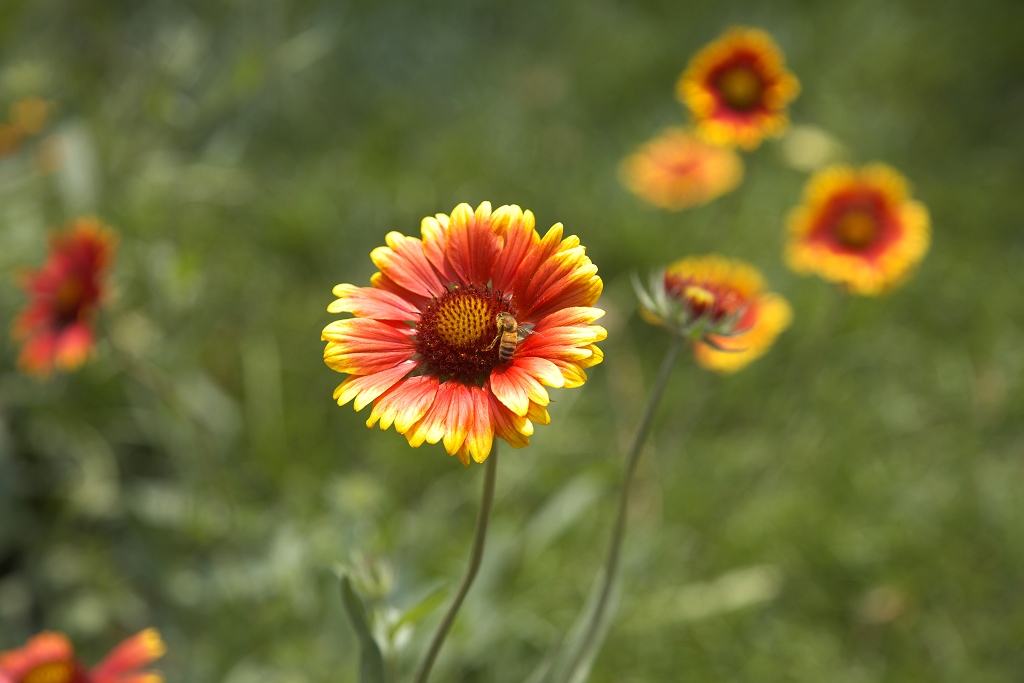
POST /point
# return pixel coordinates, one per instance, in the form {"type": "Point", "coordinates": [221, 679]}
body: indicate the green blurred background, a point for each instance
{"type": "Point", "coordinates": [848, 509]}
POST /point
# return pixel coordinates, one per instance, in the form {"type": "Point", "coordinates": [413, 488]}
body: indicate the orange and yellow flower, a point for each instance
{"type": "Point", "coordinates": [64, 294]}
{"type": "Point", "coordinates": [738, 88]}
{"type": "Point", "coordinates": [50, 658]}
{"type": "Point", "coordinates": [678, 171]}
{"type": "Point", "coordinates": [424, 345]}
{"type": "Point", "coordinates": [721, 305]}
{"type": "Point", "coordinates": [27, 117]}
{"type": "Point", "coordinates": [31, 115]}
{"type": "Point", "coordinates": [858, 227]}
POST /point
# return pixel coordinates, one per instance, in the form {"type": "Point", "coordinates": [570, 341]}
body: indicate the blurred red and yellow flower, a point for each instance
{"type": "Point", "coordinates": [56, 328]}
{"type": "Point", "coordinates": [738, 88]}
{"type": "Point", "coordinates": [50, 658]}
{"type": "Point", "coordinates": [424, 347]}
{"type": "Point", "coordinates": [858, 227]}
{"type": "Point", "coordinates": [678, 171]}
{"type": "Point", "coordinates": [720, 304]}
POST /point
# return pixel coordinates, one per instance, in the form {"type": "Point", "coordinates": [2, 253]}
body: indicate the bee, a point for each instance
{"type": "Point", "coordinates": [510, 333]}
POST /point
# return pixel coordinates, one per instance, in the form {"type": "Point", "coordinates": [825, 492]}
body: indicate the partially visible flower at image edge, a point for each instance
{"type": "Point", "coordinates": [50, 658]}
{"type": "Point", "coordinates": [720, 304]}
{"type": "Point", "coordinates": [859, 228]}
{"type": "Point", "coordinates": [27, 117]}
{"type": "Point", "coordinates": [56, 327]}
{"type": "Point", "coordinates": [677, 171]}
{"type": "Point", "coordinates": [737, 88]}
{"type": "Point", "coordinates": [423, 345]}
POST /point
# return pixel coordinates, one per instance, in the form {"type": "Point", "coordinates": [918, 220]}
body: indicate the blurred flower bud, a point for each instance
{"type": "Point", "coordinates": [690, 309]}
{"type": "Point", "coordinates": [719, 304]}
{"type": "Point", "coordinates": [372, 577]}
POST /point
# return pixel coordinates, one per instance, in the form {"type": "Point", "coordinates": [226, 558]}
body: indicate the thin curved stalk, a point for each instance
{"type": "Point", "coordinates": [611, 564]}
{"type": "Point", "coordinates": [475, 557]}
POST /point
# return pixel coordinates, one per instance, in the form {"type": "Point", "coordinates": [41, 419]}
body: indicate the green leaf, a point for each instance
{"type": "Point", "coordinates": [371, 662]}
{"type": "Point", "coordinates": [421, 609]}
{"type": "Point", "coordinates": [557, 665]}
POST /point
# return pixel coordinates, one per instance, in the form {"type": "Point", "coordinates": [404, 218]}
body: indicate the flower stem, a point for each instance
{"type": "Point", "coordinates": [611, 564]}
{"type": "Point", "coordinates": [475, 557]}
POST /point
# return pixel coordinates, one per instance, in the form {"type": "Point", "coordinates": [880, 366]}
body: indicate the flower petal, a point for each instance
{"type": "Point", "coordinates": [404, 262]}
{"type": "Point", "coordinates": [539, 414]}
{"type": "Point", "coordinates": [515, 387]}
{"type": "Point", "coordinates": [460, 417]}
{"type": "Point", "coordinates": [565, 334]}
{"type": "Point", "coordinates": [144, 677]}
{"type": "Point", "coordinates": [404, 404]}
{"type": "Point", "coordinates": [38, 352]}
{"type": "Point", "coordinates": [435, 240]}
{"type": "Point", "coordinates": [514, 429]}
{"type": "Point", "coordinates": [362, 346]}
{"type": "Point", "coordinates": [572, 374]}
{"type": "Point", "coordinates": [773, 316]}
{"type": "Point", "coordinates": [536, 255]}
{"type": "Point", "coordinates": [138, 651]}
{"type": "Point", "coordinates": [48, 646]}
{"type": "Point", "coordinates": [473, 245]}
{"type": "Point", "coordinates": [366, 388]}
{"type": "Point", "coordinates": [480, 436]}
{"type": "Point", "coordinates": [73, 346]}
{"type": "Point", "coordinates": [447, 418]}
{"type": "Point", "coordinates": [567, 279]}
{"type": "Point", "coordinates": [382, 281]}
{"type": "Point", "coordinates": [370, 302]}
{"type": "Point", "coordinates": [574, 316]}
{"type": "Point", "coordinates": [541, 369]}
{"type": "Point", "coordinates": [518, 230]}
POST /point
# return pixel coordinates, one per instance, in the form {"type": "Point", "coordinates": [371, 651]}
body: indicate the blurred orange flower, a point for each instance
{"type": "Point", "coordinates": [50, 658]}
{"type": "Point", "coordinates": [30, 114]}
{"type": "Point", "coordinates": [27, 117]}
{"type": "Point", "coordinates": [424, 345]}
{"type": "Point", "coordinates": [677, 171]}
{"type": "Point", "coordinates": [10, 139]}
{"type": "Point", "coordinates": [738, 88]}
{"type": "Point", "coordinates": [722, 305]}
{"type": "Point", "coordinates": [64, 294]}
{"type": "Point", "coordinates": [858, 227]}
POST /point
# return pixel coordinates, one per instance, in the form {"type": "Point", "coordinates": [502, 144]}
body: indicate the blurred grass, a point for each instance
{"type": "Point", "coordinates": [846, 509]}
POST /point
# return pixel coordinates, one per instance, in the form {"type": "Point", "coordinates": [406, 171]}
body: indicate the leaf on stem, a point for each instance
{"type": "Point", "coordinates": [420, 610]}
{"type": "Point", "coordinates": [371, 662]}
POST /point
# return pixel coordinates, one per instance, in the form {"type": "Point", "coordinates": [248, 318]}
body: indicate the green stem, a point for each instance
{"type": "Point", "coordinates": [611, 564]}
{"type": "Point", "coordinates": [475, 557]}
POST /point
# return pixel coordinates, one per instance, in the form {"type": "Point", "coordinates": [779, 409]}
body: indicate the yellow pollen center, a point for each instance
{"type": "Point", "coordinates": [699, 296]}
{"type": "Point", "coordinates": [50, 672]}
{"type": "Point", "coordinates": [464, 321]}
{"type": "Point", "coordinates": [856, 229]}
{"type": "Point", "coordinates": [740, 87]}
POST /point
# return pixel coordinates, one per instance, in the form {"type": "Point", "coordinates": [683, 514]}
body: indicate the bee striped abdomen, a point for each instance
{"type": "Point", "coordinates": [509, 342]}
{"type": "Point", "coordinates": [508, 335]}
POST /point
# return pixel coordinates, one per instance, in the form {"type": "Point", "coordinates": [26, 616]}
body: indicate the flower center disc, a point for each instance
{"type": "Point", "coordinates": [698, 296]}
{"type": "Point", "coordinates": [856, 229]}
{"type": "Point", "coordinates": [50, 672]}
{"type": "Point", "coordinates": [704, 299]}
{"type": "Point", "coordinates": [456, 329]}
{"type": "Point", "coordinates": [740, 87]}
{"type": "Point", "coordinates": [68, 297]}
